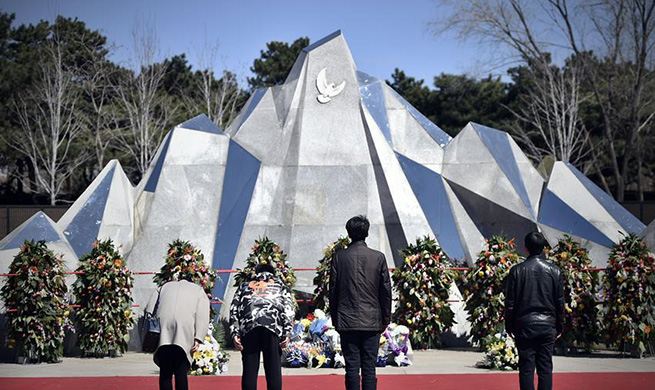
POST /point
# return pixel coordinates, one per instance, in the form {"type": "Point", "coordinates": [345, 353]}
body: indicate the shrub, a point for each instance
{"type": "Point", "coordinates": [103, 290]}
{"type": "Point", "coordinates": [485, 284]}
{"type": "Point", "coordinates": [423, 286]}
{"type": "Point", "coordinates": [266, 251]}
{"type": "Point", "coordinates": [322, 278]}
{"type": "Point", "coordinates": [185, 261]}
{"type": "Point", "coordinates": [629, 294]}
{"type": "Point", "coordinates": [580, 283]}
{"type": "Point", "coordinates": [34, 296]}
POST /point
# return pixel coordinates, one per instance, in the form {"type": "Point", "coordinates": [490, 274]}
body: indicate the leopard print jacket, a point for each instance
{"type": "Point", "coordinates": [263, 301]}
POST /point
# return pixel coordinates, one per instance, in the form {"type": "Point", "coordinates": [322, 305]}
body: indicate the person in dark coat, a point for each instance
{"type": "Point", "coordinates": [360, 304]}
{"type": "Point", "coordinates": [534, 312]}
{"type": "Point", "coordinates": [261, 316]}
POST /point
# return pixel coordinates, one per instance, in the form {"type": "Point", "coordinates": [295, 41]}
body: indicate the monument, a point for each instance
{"type": "Point", "coordinates": [303, 157]}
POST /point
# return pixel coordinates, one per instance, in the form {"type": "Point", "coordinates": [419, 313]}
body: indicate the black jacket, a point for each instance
{"type": "Point", "coordinates": [263, 301]}
{"type": "Point", "coordinates": [360, 289]}
{"type": "Point", "coordinates": [534, 296]}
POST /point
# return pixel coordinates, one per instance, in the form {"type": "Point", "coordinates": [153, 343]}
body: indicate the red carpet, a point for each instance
{"type": "Point", "coordinates": [500, 381]}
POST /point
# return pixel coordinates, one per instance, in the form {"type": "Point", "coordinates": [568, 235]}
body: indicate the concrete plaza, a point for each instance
{"type": "Point", "coordinates": [425, 362]}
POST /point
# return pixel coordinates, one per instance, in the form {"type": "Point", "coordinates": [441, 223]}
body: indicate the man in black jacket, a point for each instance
{"type": "Point", "coordinates": [534, 312]}
{"type": "Point", "coordinates": [360, 303]}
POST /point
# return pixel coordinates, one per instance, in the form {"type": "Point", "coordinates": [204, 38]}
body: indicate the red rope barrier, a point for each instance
{"type": "Point", "coordinates": [227, 271]}
{"type": "Point", "coordinates": [215, 302]}
{"type": "Point", "coordinates": [231, 271]}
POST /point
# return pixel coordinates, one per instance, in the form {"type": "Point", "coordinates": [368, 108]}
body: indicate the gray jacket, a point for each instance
{"type": "Point", "coordinates": [183, 313]}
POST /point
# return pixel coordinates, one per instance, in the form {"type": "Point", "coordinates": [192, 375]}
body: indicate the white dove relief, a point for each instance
{"type": "Point", "coordinates": [327, 91]}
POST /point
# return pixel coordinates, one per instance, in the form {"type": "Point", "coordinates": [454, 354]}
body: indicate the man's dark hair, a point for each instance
{"type": "Point", "coordinates": [264, 268]}
{"type": "Point", "coordinates": [357, 228]}
{"type": "Point", "coordinates": [535, 243]}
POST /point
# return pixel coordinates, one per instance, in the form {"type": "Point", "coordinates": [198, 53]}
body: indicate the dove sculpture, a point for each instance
{"type": "Point", "coordinates": [327, 91]}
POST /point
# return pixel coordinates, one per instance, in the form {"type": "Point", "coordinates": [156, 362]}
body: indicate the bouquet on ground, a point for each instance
{"type": "Point", "coordinates": [629, 295]}
{"type": "Point", "coordinates": [322, 278]}
{"type": "Point", "coordinates": [37, 312]}
{"type": "Point", "coordinates": [314, 343]}
{"type": "Point", "coordinates": [500, 354]}
{"type": "Point", "coordinates": [423, 286]}
{"type": "Point", "coordinates": [580, 283]}
{"type": "Point", "coordinates": [266, 251]}
{"type": "Point", "coordinates": [486, 299]}
{"type": "Point", "coordinates": [184, 261]}
{"type": "Point", "coordinates": [103, 291]}
{"type": "Point", "coordinates": [209, 358]}
{"type": "Point", "coordinates": [395, 347]}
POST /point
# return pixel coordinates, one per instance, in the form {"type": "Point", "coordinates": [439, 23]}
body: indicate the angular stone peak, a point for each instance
{"type": "Point", "coordinates": [201, 123]}
{"type": "Point", "coordinates": [38, 227]}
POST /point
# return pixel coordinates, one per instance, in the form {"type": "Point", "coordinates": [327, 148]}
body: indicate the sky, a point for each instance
{"type": "Point", "coordinates": [382, 34]}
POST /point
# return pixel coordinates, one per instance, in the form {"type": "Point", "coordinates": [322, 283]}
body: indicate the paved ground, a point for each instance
{"type": "Point", "coordinates": [425, 362]}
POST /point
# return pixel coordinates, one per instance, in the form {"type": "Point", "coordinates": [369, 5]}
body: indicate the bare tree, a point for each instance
{"type": "Point", "coordinates": [146, 109]}
{"type": "Point", "coordinates": [548, 121]}
{"type": "Point", "coordinates": [217, 98]}
{"type": "Point", "coordinates": [49, 125]}
{"type": "Point", "coordinates": [101, 123]}
{"type": "Point", "coordinates": [611, 41]}
{"type": "Point", "coordinates": [625, 27]}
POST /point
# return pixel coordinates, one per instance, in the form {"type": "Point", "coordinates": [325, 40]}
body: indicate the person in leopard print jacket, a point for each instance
{"type": "Point", "coordinates": [261, 317]}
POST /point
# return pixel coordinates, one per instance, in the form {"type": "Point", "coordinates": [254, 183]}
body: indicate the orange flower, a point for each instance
{"type": "Point", "coordinates": [95, 244]}
{"type": "Point", "coordinates": [118, 263]}
{"type": "Point", "coordinates": [647, 330]}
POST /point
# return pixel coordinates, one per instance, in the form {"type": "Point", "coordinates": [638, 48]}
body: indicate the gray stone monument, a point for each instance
{"type": "Point", "coordinates": [303, 157]}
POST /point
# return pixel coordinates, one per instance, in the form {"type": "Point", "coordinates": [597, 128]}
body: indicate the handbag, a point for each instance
{"type": "Point", "coordinates": [151, 329]}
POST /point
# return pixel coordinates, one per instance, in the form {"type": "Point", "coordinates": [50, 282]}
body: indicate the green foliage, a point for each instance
{"type": "Point", "coordinates": [36, 292]}
{"type": "Point", "coordinates": [219, 333]}
{"type": "Point", "coordinates": [449, 100]}
{"type": "Point", "coordinates": [274, 64]}
{"type": "Point", "coordinates": [629, 294]}
{"type": "Point", "coordinates": [423, 286]}
{"type": "Point", "coordinates": [103, 291]}
{"type": "Point", "coordinates": [186, 86]}
{"type": "Point", "coordinates": [266, 251]}
{"type": "Point", "coordinates": [485, 284]}
{"type": "Point", "coordinates": [459, 99]}
{"type": "Point", "coordinates": [456, 99]}
{"type": "Point", "coordinates": [96, 89]}
{"type": "Point", "coordinates": [412, 90]}
{"type": "Point", "coordinates": [184, 261]}
{"type": "Point", "coordinates": [581, 325]}
{"type": "Point", "coordinates": [322, 278]}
